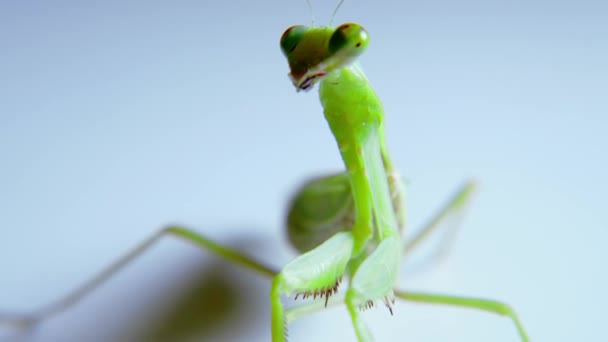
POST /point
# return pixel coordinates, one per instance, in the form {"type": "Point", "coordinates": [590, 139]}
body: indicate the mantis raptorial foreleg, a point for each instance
{"type": "Point", "coordinates": [236, 257]}
{"type": "Point", "coordinates": [315, 273]}
{"type": "Point", "coordinates": [373, 280]}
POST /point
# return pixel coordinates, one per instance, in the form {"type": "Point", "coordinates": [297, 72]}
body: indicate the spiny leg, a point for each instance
{"type": "Point", "coordinates": [313, 307]}
{"type": "Point", "coordinates": [467, 302]}
{"type": "Point", "coordinates": [26, 320]}
{"type": "Point", "coordinates": [455, 205]}
{"type": "Point", "coordinates": [373, 280]}
{"type": "Point", "coordinates": [315, 273]}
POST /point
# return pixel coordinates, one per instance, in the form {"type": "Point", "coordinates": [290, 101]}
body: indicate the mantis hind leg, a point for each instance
{"type": "Point", "coordinates": [455, 207]}
{"type": "Point", "coordinates": [467, 302]}
{"type": "Point", "coordinates": [26, 320]}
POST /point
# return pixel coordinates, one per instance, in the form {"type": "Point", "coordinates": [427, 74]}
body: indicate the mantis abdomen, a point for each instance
{"type": "Point", "coordinates": [323, 206]}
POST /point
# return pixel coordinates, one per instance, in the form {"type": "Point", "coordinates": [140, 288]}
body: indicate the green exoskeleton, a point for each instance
{"type": "Point", "coordinates": [370, 245]}
{"type": "Point", "coordinates": [350, 225]}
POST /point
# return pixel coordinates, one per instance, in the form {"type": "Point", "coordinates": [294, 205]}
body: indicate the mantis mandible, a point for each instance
{"type": "Point", "coordinates": [350, 225]}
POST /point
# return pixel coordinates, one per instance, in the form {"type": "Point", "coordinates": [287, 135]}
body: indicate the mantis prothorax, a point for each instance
{"type": "Point", "coordinates": [349, 225]}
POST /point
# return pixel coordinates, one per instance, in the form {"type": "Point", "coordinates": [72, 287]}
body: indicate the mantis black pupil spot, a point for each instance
{"type": "Point", "coordinates": [358, 44]}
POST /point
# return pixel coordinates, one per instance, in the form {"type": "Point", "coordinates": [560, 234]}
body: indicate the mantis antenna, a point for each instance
{"type": "Point", "coordinates": [331, 20]}
{"type": "Point", "coordinates": [312, 13]}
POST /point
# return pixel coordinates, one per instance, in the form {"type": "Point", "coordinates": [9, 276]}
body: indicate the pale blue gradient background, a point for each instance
{"type": "Point", "coordinates": [118, 118]}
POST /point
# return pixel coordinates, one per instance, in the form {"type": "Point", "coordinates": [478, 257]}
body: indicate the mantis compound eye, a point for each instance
{"type": "Point", "coordinates": [291, 37]}
{"type": "Point", "coordinates": [349, 39]}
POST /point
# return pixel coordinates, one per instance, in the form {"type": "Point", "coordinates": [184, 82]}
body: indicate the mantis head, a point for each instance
{"type": "Point", "coordinates": [313, 52]}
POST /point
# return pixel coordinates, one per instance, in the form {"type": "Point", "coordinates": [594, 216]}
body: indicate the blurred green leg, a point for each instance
{"type": "Point", "coordinates": [26, 320]}
{"type": "Point", "coordinates": [456, 205]}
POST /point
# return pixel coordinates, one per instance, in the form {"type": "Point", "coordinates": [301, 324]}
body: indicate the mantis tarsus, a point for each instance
{"type": "Point", "coordinates": [350, 225]}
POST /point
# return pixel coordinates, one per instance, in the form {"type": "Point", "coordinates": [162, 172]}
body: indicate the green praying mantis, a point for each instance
{"type": "Point", "coordinates": [349, 226]}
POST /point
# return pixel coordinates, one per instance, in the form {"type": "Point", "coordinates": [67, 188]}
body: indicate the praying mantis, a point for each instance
{"type": "Point", "coordinates": [350, 225]}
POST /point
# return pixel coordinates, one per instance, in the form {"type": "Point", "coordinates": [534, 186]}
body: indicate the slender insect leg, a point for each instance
{"type": "Point", "coordinates": [316, 273]}
{"type": "Point", "coordinates": [467, 302]}
{"type": "Point", "coordinates": [455, 206]}
{"type": "Point", "coordinates": [25, 320]}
